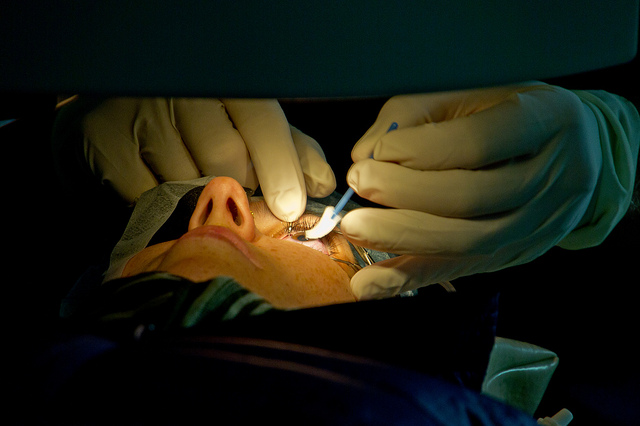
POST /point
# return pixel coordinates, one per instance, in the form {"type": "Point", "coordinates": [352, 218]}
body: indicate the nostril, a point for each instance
{"type": "Point", "coordinates": [201, 215]}
{"type": "Point", "coordinates": [235, 214]}
{"type": "Point", "coordinates": [207, 211]}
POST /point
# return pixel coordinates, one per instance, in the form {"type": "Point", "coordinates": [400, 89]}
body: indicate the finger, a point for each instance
{"type": "Point", "coordinates": [391, 277]}
{"type": "Point", "coordinates": [215, 145]}
{"type": "Point", "coordinates": [517, 126]}
{"type": "Point", "coordinates": [266, 133]}
{"type": "Point", "coordinates": [416, 233]}
{"type": "Point", "coordinates": [399, 111]}
{"type": "Point", "coordinates": [318, 175]}
{"type": "Point", "coordinates": [451, 193]}
{"type": "Point", "coordinates": [410, 111]}
{"type": "Point", "coordinates": [365, 146]}
{"type": "Point", "coordinates": [161, 146]}
{"type": "Point", "coordinates": [402, 231]}
{"type": "Point", "coordinates": [505, 239]}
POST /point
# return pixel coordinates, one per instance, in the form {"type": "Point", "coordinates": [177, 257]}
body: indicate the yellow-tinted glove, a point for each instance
{"type": "Point", "coordinates": [133, 144]}
{"type": "Point", "coordinates": [486, 179]}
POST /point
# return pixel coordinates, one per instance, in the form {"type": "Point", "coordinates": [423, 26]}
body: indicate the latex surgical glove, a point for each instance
{"type": "Point", "coordinates": [290, 164]}
{"type": "Point", "coordinates": [133, 144]}
{"type": "Point", "coordinates": [485, 179]}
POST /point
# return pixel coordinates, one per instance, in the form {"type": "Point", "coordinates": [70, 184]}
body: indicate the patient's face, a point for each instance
{"type": "Point", "coordinates": [232, 236]}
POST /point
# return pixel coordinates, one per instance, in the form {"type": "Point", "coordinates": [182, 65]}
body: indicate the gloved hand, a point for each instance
{"type": "Point", "coordinates": [486, 179]}
{"type": "Point", "coordinates": [133, 144]}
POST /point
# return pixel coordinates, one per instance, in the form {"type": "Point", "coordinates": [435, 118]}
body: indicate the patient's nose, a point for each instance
{"type": "Point", "coordinates": [223, 202]}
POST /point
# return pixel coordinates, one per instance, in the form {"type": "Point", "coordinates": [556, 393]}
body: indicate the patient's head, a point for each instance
{"type": "Point", "coordinates": [231, 235]}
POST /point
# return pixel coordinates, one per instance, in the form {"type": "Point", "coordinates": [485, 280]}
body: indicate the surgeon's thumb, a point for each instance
{"type": "Point", "coordinates": [265, 130]}
{"type": "Point", "coordinates": [397, 275]}
{"type": "Point", "coordinates": [319, 178]}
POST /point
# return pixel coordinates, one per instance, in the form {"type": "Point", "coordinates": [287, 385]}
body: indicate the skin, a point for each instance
{"type": "Point", "coordinates": [232, 236]}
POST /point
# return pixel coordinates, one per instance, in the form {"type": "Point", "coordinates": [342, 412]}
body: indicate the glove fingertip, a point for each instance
{"type": "Point", "coordinates": [287, 205]}
{"type": "Point", "coordinates": [375, 282]}
{"type": "Point", "coordinates": [364, 147]}
{"type": "Point", "coordinates": [350, 225]}
{"type": "Point", "coordinates": [359, 171]}
{"type": "Point", "coordinates": [317, 189]}
{"type": "Point", "coordinates": [321, 183]}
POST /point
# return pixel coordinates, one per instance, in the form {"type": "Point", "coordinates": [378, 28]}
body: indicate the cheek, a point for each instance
{"type": "Point", "coordinates": [304, 261]}
{"type": "Point", "coordinates": [147, 260]}
{"type": "Point", "coordinates": [311, 275]}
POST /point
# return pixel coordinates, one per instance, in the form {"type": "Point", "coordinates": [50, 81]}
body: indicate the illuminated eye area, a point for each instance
{"type": "Point", "coordinates": [318, 245]}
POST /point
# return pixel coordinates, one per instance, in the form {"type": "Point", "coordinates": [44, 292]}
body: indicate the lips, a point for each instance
{"type": "Point", "coordinates": [223, 234]}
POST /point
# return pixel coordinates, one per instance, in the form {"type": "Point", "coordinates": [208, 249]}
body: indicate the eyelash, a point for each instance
{"type": "Point", "coordinates": [305, 223]}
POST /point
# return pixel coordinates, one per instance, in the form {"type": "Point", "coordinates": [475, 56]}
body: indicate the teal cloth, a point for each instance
{"type": "Point", "coordinates": [161, 301]}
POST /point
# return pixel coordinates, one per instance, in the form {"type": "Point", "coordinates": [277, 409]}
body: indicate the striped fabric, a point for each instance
{"type": "Point", "coordinates": [162, 301]}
